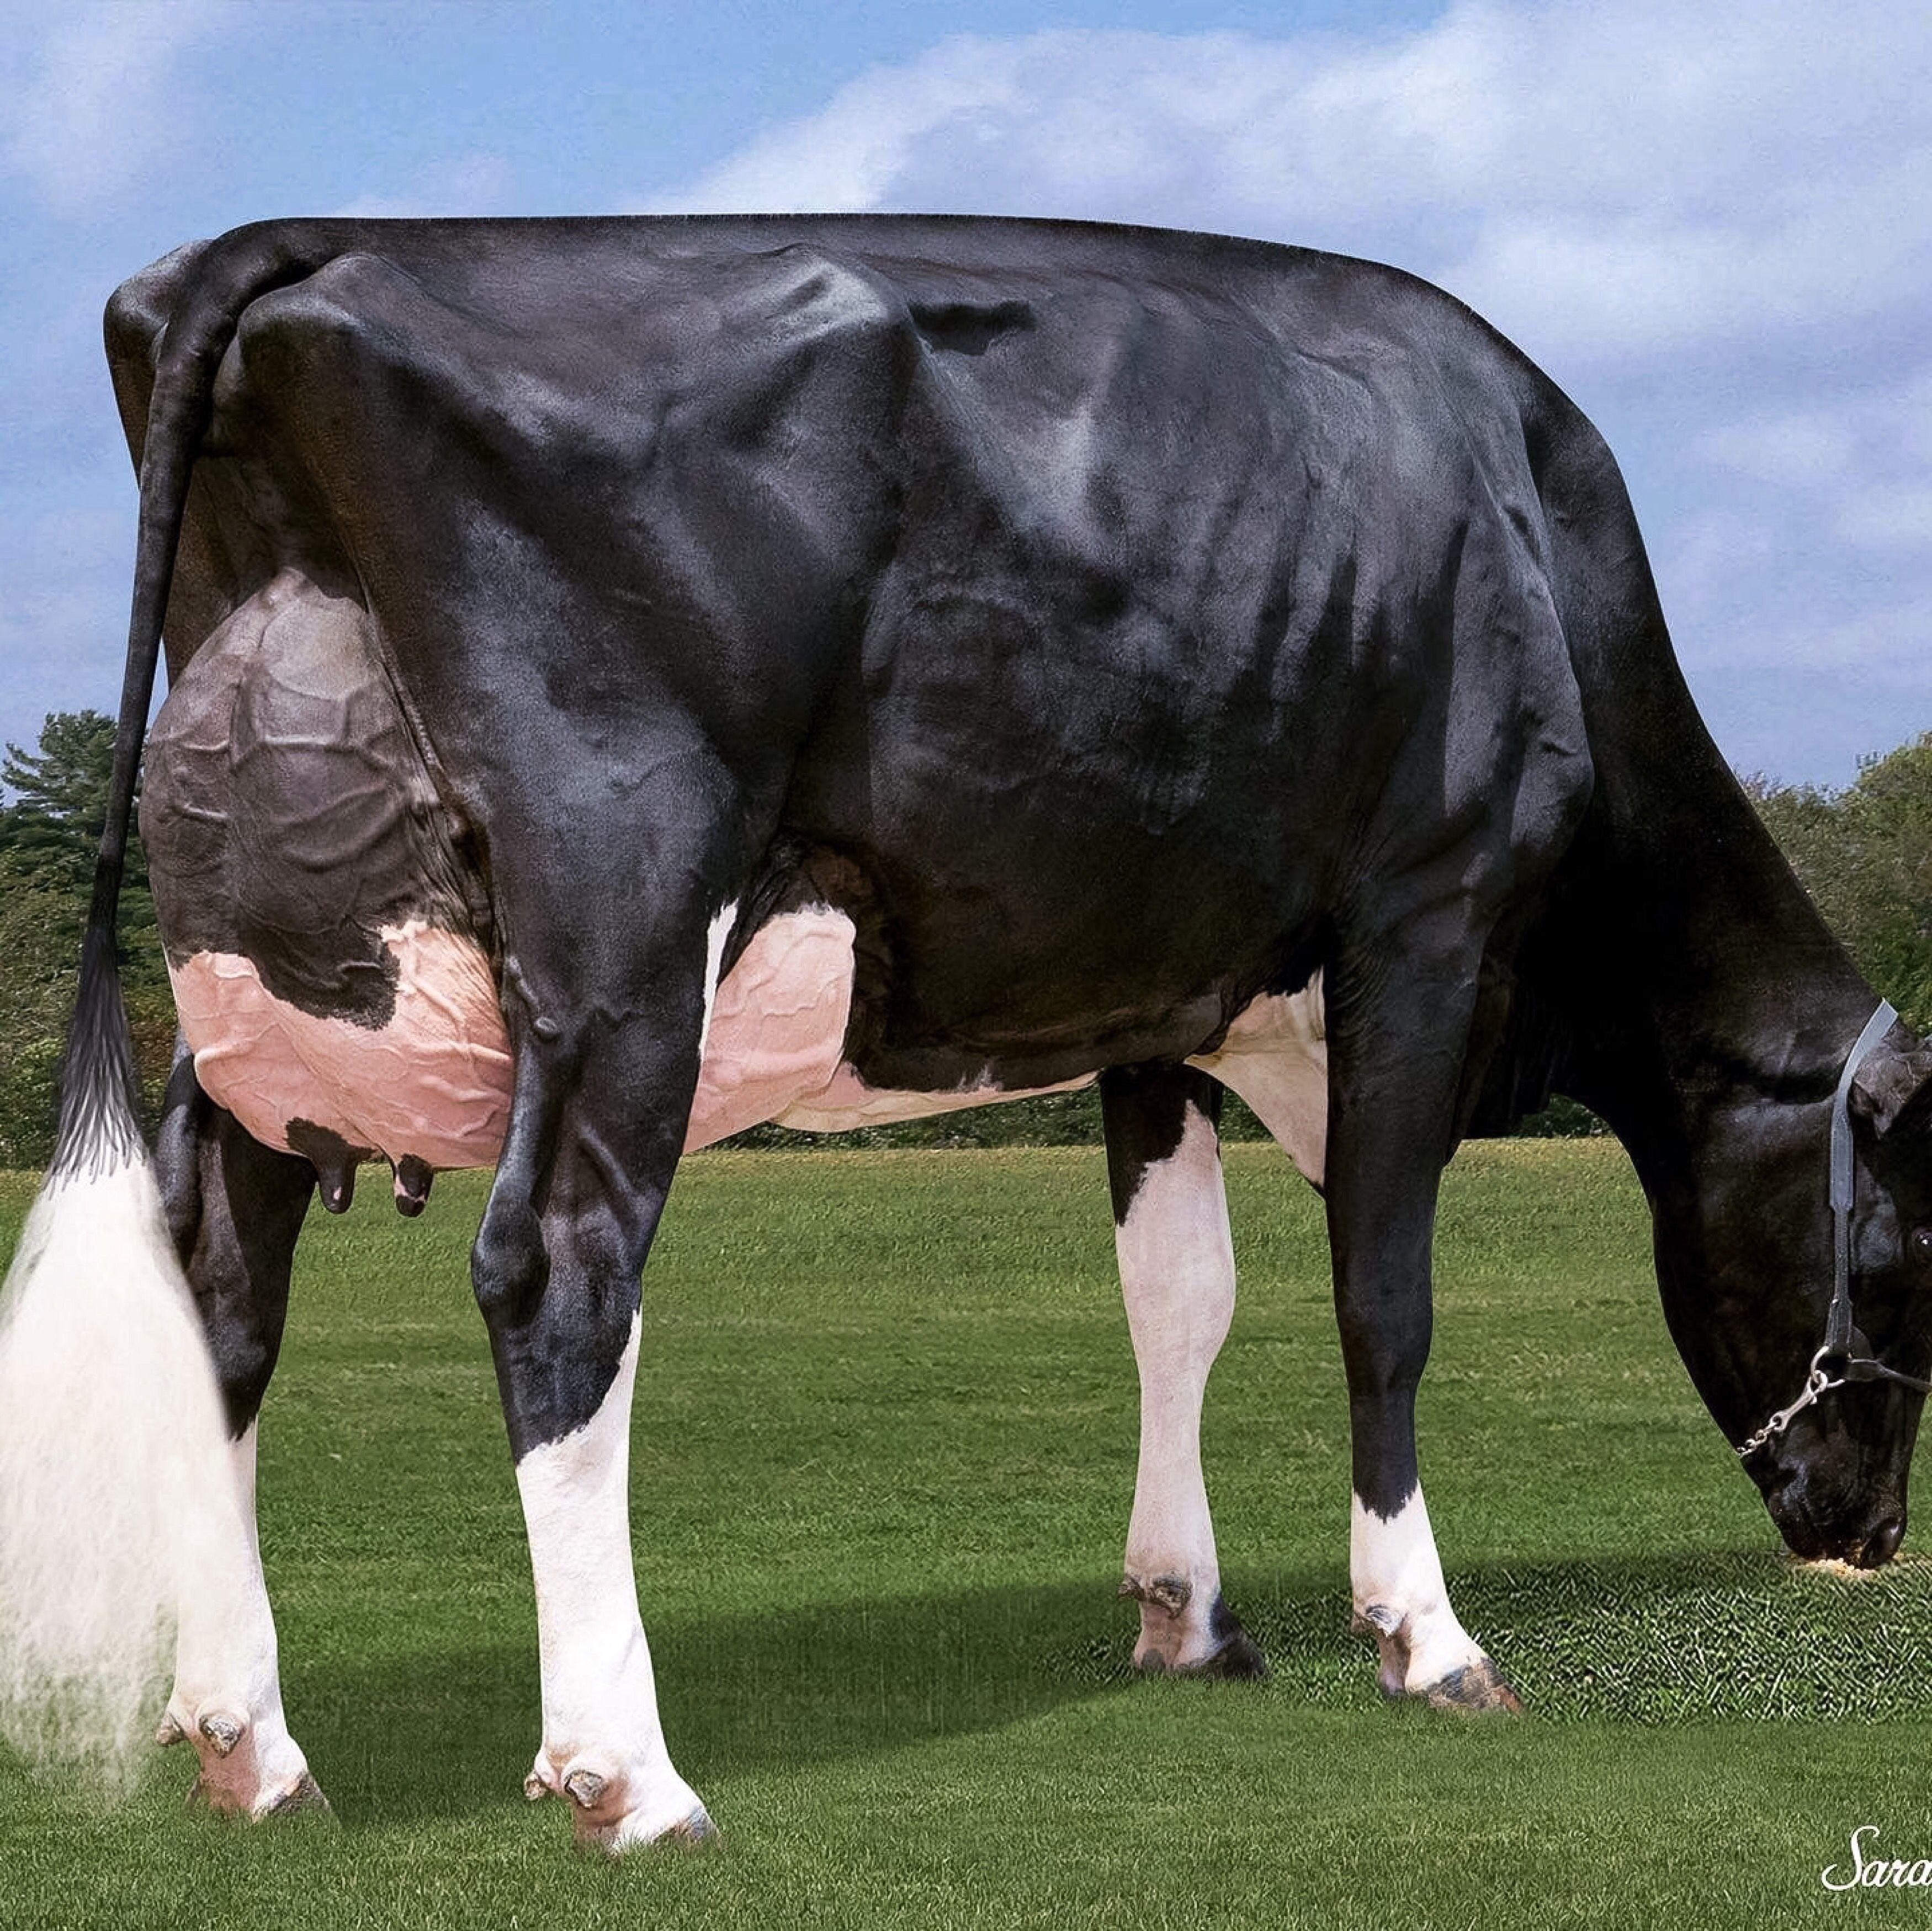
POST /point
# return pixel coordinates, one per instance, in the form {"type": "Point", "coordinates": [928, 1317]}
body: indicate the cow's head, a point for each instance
{"type": "Point", "coordinates": [1745, 1259]}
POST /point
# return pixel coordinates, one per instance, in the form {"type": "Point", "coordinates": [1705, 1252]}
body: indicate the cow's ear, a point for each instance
{"type": "Point", "coordinates": [1893, 1090]}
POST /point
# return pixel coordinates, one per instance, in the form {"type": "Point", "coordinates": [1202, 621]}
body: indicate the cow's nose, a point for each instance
{"type": "Point", "coordinates": [1882, 1545]}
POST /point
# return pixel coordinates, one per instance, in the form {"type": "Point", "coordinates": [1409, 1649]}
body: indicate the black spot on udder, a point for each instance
{"type": "Point", "coordinates": [289, 816]}
{"type": "Point", "coordinates": [334, 1159]}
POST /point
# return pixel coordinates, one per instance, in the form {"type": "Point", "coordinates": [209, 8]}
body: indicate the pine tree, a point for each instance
{"type": "Point", "coordinates": [50, 826]}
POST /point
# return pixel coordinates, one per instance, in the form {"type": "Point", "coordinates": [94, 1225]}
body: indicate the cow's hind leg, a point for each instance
{"type": "Point", "coordinates": [1178, 1278]}
{"type": "Point", "coordinates": [235, 1208]}
{"type": "Point", "coordinates": [605, 1025]}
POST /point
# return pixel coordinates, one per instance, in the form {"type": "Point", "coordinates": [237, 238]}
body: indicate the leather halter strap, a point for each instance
{"type": "Point", "coordinates": [1834, 1365]}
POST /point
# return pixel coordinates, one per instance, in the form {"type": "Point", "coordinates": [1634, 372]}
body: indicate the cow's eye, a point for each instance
{"type": "Point", "coordinates": [1920, 1244]}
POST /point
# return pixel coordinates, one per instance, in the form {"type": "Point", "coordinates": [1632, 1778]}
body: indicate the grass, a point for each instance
{"type": "Point", "coordinates": [883, 1453]}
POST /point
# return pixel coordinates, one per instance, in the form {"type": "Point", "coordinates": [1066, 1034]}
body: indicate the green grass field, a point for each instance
{"type": "Point", "coordinates": [883, 1454]}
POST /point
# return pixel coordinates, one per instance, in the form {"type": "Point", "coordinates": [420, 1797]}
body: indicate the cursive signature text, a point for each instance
{"type": "Point", "coordinates": [1874, 1873]}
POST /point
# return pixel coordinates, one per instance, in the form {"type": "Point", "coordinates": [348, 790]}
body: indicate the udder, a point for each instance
{"type": "Point", "coordinates": [432, 1082]}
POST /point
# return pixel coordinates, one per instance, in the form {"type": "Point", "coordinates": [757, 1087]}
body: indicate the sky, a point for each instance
{"type": "Point", "coordinates": [1711, 225]}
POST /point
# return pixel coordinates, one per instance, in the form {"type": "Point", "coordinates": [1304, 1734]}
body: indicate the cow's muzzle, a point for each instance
{"type": "Point", "coordinates": [1815, 1531]}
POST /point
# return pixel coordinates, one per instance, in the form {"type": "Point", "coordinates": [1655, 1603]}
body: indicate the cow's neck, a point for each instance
{"type": "Point", "coordinates": [1706, 980]}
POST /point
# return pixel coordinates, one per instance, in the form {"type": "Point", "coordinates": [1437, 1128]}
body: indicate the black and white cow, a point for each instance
{"type": "Point", "coordinates": [633, 679]}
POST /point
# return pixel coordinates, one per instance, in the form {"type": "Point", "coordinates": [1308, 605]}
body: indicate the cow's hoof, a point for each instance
{"type": "Point", "coordinates": [1441, 1669]}
{"type": "Point", "coordinates": [1477, 1689]}
{"type": "Point", "coordinates": [691, 1831]}
{"type": "Point", "coordinates": [254, 1770]}
{"type": "Point", "coordinates": [303, 1797]}
{"type": "Point", "coordinates": [1236, 1658]}
{"type": "Point", "coordinates": [1179, 1638]}
{"type": "Point", "coordinates": [1239, 1659]}
{"type": "Point", "coordinates": [668, 1814]}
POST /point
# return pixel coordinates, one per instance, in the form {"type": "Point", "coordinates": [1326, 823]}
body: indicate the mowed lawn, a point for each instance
{"type": "Point", "coordinates": [883, 1457]}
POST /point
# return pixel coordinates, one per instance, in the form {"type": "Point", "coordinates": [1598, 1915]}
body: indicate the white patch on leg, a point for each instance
{"type": "Point", "coordinates": [1396, 1576]}
{"type": "Point", "coordinates": [1177, 1279]}
{"type": "Point", "coordinates": [1276, 1056]}
{"type": "Point", "coordinates": [115, 1492]}
{"type": "Point", "coordinates": [603, 1745]}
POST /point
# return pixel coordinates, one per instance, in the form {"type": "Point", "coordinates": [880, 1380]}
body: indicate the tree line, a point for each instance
{"type": "Point", "coordinates": [1865, 853]}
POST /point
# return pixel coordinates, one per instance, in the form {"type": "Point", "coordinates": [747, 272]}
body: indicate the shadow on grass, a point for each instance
{"type": "Point", "coordinates": [1737, 1636]}
{"type": "Point", "coordinates": [1733, 1635]}
{"type": "Point", "coordinates": [445, 1734]}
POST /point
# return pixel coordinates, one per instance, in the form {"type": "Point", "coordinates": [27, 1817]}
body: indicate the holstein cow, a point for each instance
{"type": "Point", "coordinates": [631, 679]}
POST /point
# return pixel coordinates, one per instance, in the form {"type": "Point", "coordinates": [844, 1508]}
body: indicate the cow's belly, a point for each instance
{"type": "Point", "coordinates": [432, 1082]}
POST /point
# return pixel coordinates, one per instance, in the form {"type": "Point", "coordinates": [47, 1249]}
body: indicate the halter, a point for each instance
{"type": "Point", "coordinates": [1834, 1353]}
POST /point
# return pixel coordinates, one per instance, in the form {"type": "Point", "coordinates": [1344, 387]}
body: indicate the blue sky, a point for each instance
{"type": "Point", "coordinates": [1712, 225]}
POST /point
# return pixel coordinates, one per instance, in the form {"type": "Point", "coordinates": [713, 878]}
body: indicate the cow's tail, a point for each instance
{"type": "Point", "coordinates": [116, 1486]}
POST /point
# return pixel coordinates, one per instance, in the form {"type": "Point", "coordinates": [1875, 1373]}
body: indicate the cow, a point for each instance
{"type": "Point", "coordinates": [633, 679]}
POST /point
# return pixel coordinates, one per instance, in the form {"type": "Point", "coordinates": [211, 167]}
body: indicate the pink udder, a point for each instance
{"type": "Point", "coordinates": [434, 1082]}
{"type": "Point", "coordinates": [777, 1024]}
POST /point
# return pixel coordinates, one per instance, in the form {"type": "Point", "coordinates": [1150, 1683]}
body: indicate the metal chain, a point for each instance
{"type": "Point", "coordinates": [1838, 1329]}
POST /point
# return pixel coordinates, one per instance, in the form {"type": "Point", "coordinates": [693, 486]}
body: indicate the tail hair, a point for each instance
{"type": "Point", "coordinates": [116, 1476]}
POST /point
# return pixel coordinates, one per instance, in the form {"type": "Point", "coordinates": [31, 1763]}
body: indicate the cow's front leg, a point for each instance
{"type": "Point", "coordinates": [1177, 1279]}
{"type": "Point", "coordinates": [604, 1083]}
{"type": "Point", "coordinates": [235, 1208]}
{"type": "Point", "coordinates": [1397, 1038]}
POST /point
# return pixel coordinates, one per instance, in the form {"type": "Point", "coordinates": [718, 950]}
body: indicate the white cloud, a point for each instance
{"type": "Point", "coordinates": [1862, 465]}
{"type": "Point", "coordinates": [1701, 559]}
{"type": "Point", "coordinates": [1885, 639]}
{"type": "Point", "coordinates": [66, 603]}
{"type": "Point", "coordinates": [1623, 178]}
{"type": "Point", "coordinates": [96, 105]}
{"type": "Point", "coordinates": [1802, 450]}
{"type": "Point", "coordinates": [1891, 516]}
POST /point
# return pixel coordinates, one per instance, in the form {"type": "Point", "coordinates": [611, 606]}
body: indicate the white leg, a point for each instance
{"type": "Point", "coordinates": [1396, 1577]}
{"type": "Point", "coordinates": [227, 1697]}
{"type": "Point", "coordinates": [603, 1745]}
{"type": "Point", "coordinates": [1178, 1278]}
